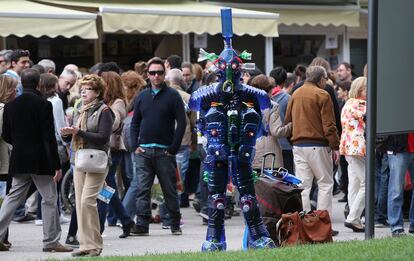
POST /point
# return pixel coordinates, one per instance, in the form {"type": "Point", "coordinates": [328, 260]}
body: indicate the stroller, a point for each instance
{"type": "Point", "coordinates": [277, 192]}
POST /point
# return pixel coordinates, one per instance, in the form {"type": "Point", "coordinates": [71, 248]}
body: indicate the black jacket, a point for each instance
{"type": "Point", "coordinates": [395, 143]}
{"type": "Point", "coordinates": [155, 117]}
{"type": "Point", "coordinates": [28, 126]}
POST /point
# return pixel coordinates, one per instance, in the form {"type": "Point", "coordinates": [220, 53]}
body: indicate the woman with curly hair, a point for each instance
{"type": "Point", "coordinates": [91, 130]}
{"type": "Point", "coordinates": [133, 84]}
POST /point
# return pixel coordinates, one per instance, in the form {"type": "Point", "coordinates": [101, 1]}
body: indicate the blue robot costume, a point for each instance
{"type": "Point", "coordinates": [230, 118]}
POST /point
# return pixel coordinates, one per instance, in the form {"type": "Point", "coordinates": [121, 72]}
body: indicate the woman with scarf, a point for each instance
{"type": "Point", "coordinates": [92, 129]}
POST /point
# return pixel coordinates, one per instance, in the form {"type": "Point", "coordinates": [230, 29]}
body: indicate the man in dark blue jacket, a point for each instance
{"type": "Point", "coordinates": [156, 140]}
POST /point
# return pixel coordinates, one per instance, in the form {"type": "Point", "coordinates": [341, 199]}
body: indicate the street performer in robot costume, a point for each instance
{"type": "Point", "coordinates": [230, 118]}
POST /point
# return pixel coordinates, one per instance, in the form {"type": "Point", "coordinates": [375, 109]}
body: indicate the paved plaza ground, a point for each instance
{"type": "Point", "coordinates": [27, 238]}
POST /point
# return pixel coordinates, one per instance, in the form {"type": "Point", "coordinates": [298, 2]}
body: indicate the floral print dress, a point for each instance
{"type": "Point", "coordinates": [353, 128]}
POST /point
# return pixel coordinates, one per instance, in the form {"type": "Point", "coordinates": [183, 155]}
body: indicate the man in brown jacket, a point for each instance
{"type": "Point", "coordinates": [314, 137]}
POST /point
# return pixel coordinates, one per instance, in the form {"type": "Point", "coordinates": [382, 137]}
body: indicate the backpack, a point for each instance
{"type": "Point", "coordinates": [126, 132]}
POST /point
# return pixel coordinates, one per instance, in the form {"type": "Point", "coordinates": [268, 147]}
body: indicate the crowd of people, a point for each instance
{"type": "Point", "coordinates": [140, 120]}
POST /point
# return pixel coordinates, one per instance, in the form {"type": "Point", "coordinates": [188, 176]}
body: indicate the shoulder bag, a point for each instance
{"type": "Point", "coordinates": [91, 160]}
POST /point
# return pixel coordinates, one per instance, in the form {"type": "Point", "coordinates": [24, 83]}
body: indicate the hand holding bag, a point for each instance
{"type": "Point", "coordinates": [91, 160]}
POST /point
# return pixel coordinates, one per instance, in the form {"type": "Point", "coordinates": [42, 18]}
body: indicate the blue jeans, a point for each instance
{"type": "Point", "coordinates": [130, 198]}
{"type": "Point", "coordinates": [128, 169]}
{"type": "Point", "coordinates": [115, 202]}
{"type": "Point", "coordinates": [399, 164]}
{"type": "Point", "coordinates": [382, 174]}
{"type": "Point", "coordinates": [154, 161]}
{"type": "Point", "coordinates": [182, 159]}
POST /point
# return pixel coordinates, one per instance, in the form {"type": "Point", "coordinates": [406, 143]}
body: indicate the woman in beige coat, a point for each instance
{"type": "Point", "coordinates": [273, 125]}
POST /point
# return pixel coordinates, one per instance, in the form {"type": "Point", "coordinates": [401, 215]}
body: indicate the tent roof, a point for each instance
{"type": "Point", "coordinates": [21, 18]}
{"type": "Point", "coordinates": [165, 17]}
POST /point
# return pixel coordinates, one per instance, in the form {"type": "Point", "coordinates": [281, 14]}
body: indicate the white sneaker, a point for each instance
{"type": "Point", "coordinates": [38, 222]}
{"type": "Point", "coordinates": [63, 219]}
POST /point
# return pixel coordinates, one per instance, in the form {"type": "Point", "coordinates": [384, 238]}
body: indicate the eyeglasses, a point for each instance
{"type": "Point", "coordinates": [87, 89]}
{"type": "Point", "coordinates": [159, 73]}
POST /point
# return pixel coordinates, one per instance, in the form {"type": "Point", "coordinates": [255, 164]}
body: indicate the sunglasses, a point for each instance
{"type": "Point", "coordinates": [156, 73]}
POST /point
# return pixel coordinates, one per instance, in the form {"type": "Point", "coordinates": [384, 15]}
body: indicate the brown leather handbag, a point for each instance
{"type": "Point", "coordinates": [304, 228]}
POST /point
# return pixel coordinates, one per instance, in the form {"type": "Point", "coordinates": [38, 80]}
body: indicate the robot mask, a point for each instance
{"type": "Point", "coordinates": [229, 64]}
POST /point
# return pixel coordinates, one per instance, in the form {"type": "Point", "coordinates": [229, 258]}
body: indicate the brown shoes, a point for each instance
{"type": "Point", "coordinates": [57, 248]}
{"type": "Point", "coordinates": [91, 252]}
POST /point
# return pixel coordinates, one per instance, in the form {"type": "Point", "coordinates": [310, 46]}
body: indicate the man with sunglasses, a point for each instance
{"type": "Point", "coordinates": [156, 139]}
{"type": "Point", "coordinates": [20, 60]}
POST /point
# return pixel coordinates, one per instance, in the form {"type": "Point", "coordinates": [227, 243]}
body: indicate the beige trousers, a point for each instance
{"type": "Point", "coordinates": [315, 162]}
{"type": "Point", "coordinates": [356, 188]}
{"type": "Point", "coordinates": [87, 187]}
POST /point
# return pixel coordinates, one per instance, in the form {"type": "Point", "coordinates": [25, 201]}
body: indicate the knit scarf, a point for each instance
{"type": "Point", "coordinates": [77, 141]}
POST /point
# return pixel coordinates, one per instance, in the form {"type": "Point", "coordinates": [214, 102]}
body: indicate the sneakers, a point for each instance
{"type": "Point", "coordinates": [335, 233]}
{"type": "Point", "coordinates": [355, 227]}
{"type": "Point", "coordinates": [38, 222]}
{"type": "Point", "coordinates": [58, 248]}
{"type": "Point", "coordinates": [140, 230]}
{"type": "Point", "coordinates": [165, 226]}
{"type": "Point", "coordinates": [63, 219]}
{"type": "Point", "coordinates": [398, 233]}
{"type": "Point", "coordinates": [72, 241]}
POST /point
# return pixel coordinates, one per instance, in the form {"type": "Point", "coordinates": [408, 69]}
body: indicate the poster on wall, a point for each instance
{"type": "Point", "coordinates": [331, 41]}
{"type": "Point", "coordinates": [200, 40]}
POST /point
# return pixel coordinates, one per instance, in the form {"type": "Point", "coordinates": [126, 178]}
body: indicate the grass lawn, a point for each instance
{"type": "Point", "coordinates": [380, 249]}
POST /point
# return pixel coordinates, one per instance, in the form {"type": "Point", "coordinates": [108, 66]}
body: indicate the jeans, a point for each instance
{"type": "Point", "coordinates": [182, 159]}
{"type": "Point", "coordinates": [115, 202]}
{"type": "Point", "coordinates": [382, 174]}
{"type": "Point", "coordinates": [130, 197]}
{"type": "Point", "coordinates": [155, 161]}
{"type": "Point", "coordinates": [128, 168]}
{"type": "Point", "coordinates": [399, 164]}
